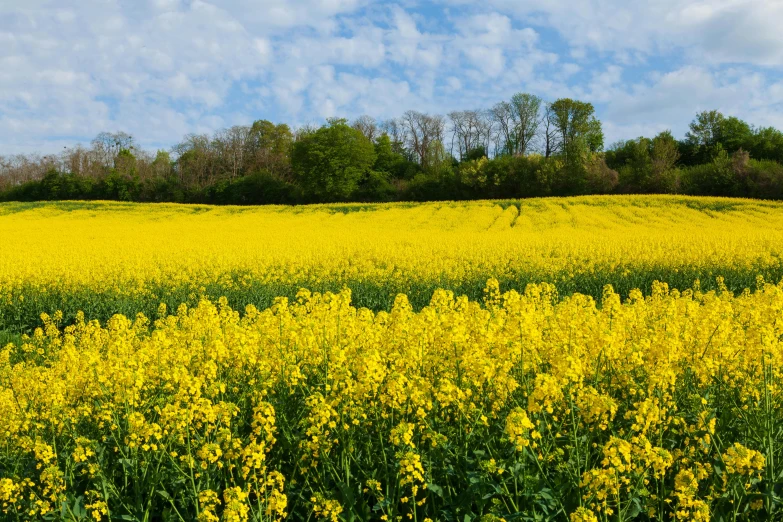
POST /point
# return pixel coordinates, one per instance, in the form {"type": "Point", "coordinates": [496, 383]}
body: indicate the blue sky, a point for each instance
{"type": "Point", "coordinates": [159, 69]}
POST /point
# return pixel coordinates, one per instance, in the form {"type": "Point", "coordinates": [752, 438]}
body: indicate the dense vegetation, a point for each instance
{"type": "Point", "coordinates": [520, 148]}
{"type": "Point", "coordinates": [104, 258]}
{"type": "Point", "coordinates": [516, 408]}
{"type": "Point", "coordinates": [193, 362]}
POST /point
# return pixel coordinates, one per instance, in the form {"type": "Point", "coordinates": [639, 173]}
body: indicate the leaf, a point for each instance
{"type": "Point", "coordinates": [636, 507]}
{"type": "Point", "coordinates": [435, 489]}
{"type": "Point", "coordinates": [544, 493]}
{"type": "Point", "coordinates": [78, 508]}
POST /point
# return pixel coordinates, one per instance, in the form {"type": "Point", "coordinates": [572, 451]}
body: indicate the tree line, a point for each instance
{"type": "Point", "coordinates": [522, 147]}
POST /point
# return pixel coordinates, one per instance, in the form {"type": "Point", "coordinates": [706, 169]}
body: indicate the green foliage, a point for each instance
{"type": "Point", "coordinates": [329, 162]}
{"type": "Point", "coordinates": [710, 132]}
{"type": "Point", "coordinates": [721, 155]}
{"type": "Point", "coordinates": [438, 161]}
{"type": "Point", "coordinates": [392, 163]}
{"type": "Point", "coordinates": [270, 147]}
{"type": "Point", "coordinates": [646, 165]}
{"type": "Point", "coordinates": [374, 186]}
{"type": "Point", "coordinates": [476, 154]}
{"type": "Point", "coordinates": [256, 189]}
{"type": "Point", "coordinates": [577, 128]}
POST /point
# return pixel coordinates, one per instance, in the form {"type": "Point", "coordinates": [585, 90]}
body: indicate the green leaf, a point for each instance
{"type": "Point", "coordinates": [435, 489]}
{"type": "Point", "coordinates": [636, 507]}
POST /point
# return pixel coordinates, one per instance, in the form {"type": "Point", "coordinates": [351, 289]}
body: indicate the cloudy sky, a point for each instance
{"type": "Point", "coordinates": [159, 69]}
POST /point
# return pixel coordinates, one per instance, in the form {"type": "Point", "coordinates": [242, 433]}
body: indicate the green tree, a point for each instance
{"type": "Point", "coordinates": [711, 131]}
{"type": "Point", "coordinates": [706, 129]}
{"type": "Point", "coordinates": [270, 147]}
{"type": "Point", "coordinates": [736, 134]}
{"type": "Point", "coordinates": [767, 143]}
{"type": "Point", "coordinates": [664, 155]}
{"type": "Point", "coordinates": [438, 161]}
{"type": "Point", "coordinates": [125, 163]}
{"type": "Point", "coordinates": [577, 128]}
{"type": "Point", "coordinates": [161, 165]}
{"type": "Point", "coordinates": [386, 159]}
{"type": "Point", "coordinates": [329, 162]}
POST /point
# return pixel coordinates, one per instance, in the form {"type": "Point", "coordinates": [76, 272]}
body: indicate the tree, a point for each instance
{"type": "Point", "coordinates": [397, 131]}
{"type": "Point", "coordinates": [82, 162]}
{"type": "Point", "coordinates": [594, 138]}
{"type": "Point", "coordinates": [577, 128]}
{"type": "Point", "coordinates": [551, 143]}
{"type": "Point", "coordinates": [526, 109]}
{"type": "Point", "coordinates": [471, 130]}
{"type": "Point", "coordinates": [367, 126]}
{"type": "Point", "coordinates": [196, 162]}
{"type": "Point", "coordinates": [388, 161]}
{"type": "Point", "coordinates": [125, 163]}
{"type": "Point", "coordinates": [423, 130]}
{"type": "Point", "coordinates": [664, 156]}
{"type": "Point", "coordinates": [711, 132]}
{"type": "Point", "coordinates": [705, 130]}
{"type": "Point", "coordinates": [330, 162]}
{"type": "Point", "coordinates": [518, 123]}
{"type": "Point", "coordinates": [107, 145]}
{"type": "Point", "coordinates": [161, 166]}
{"type": "Point", "coordinates": [503, 116]}
{"type": "Point", "coordinates": [269, 148]}
{"type": "Point", "coordinates": [438, 161]}
{"type": "Point", "coordinates": [232, 145]}
{"type": "Point", "coordinates": [767, 143]}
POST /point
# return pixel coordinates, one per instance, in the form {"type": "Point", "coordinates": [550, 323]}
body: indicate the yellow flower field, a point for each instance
{"type": "Point", "coordinates": [164, 364]}
{"type": "Point", "coordinates": [104, 258]}
{"type": "Point", "coordinates": [520, 407]}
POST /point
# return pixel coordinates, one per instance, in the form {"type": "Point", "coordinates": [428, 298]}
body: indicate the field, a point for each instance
{"type": "Point", "coordinates": [107, 258]}
{"type": "Point", "coordinates": [581, 359]}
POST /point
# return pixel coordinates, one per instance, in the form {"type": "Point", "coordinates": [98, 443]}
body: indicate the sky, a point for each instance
{"type": "Point", "coordinates": [160, 69]}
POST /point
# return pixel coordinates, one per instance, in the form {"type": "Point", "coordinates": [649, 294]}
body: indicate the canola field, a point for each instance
{"type": "Point", "coordinates": [107, 258]}
{"type": "Point", "coordinates": [585, 359]}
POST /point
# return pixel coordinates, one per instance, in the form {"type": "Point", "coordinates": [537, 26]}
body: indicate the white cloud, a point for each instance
{"type": "Point", "coordinates": [163, 68]}
{"type": "Point", "coordinates": [715, 31]}
{"type": "Point", "coordinates": [671, 100]}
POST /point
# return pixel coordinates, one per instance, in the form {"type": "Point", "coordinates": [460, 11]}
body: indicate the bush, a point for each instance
{"type": "Point", "coordinates": [374, 186]}
{"type": "Point", "coordinates": [257, 189]}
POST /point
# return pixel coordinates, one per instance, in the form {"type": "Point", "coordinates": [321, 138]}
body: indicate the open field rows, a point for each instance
{"type": "Point", "coordinates": [105, 258]}
{"type": "Point", "coordinates": [549, 378]}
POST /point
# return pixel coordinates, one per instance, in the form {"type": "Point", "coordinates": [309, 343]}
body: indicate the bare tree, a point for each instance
{"type": "Point", "coordinates": [550, 144]}
{"type": "Point", "coordinates": [397, 131]}
{"type": "Point", "coordinates": [518, 123]}
{"type": "Point", "coordinates": [503, 116]}
{"type": "Point", "coordinates": [107, 145]}
{"type": "Point", "coordinates": [470, 131]}
{"type": "Point", "coordinates": [231, 145]}
{"type": "Point", "coordinates": [84, 162]}
{"type": "Point", "coordinates": [486, 130]}
{"type": "Point", "coordinates": [423, 131]}
{"type": "Point", "coordinates": [195, 160]}
{"type": "Point", "coordinates": [367, 126]}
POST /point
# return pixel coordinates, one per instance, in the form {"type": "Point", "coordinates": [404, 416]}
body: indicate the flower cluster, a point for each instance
{"type": "Point", "coordinates": [665, 407]}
